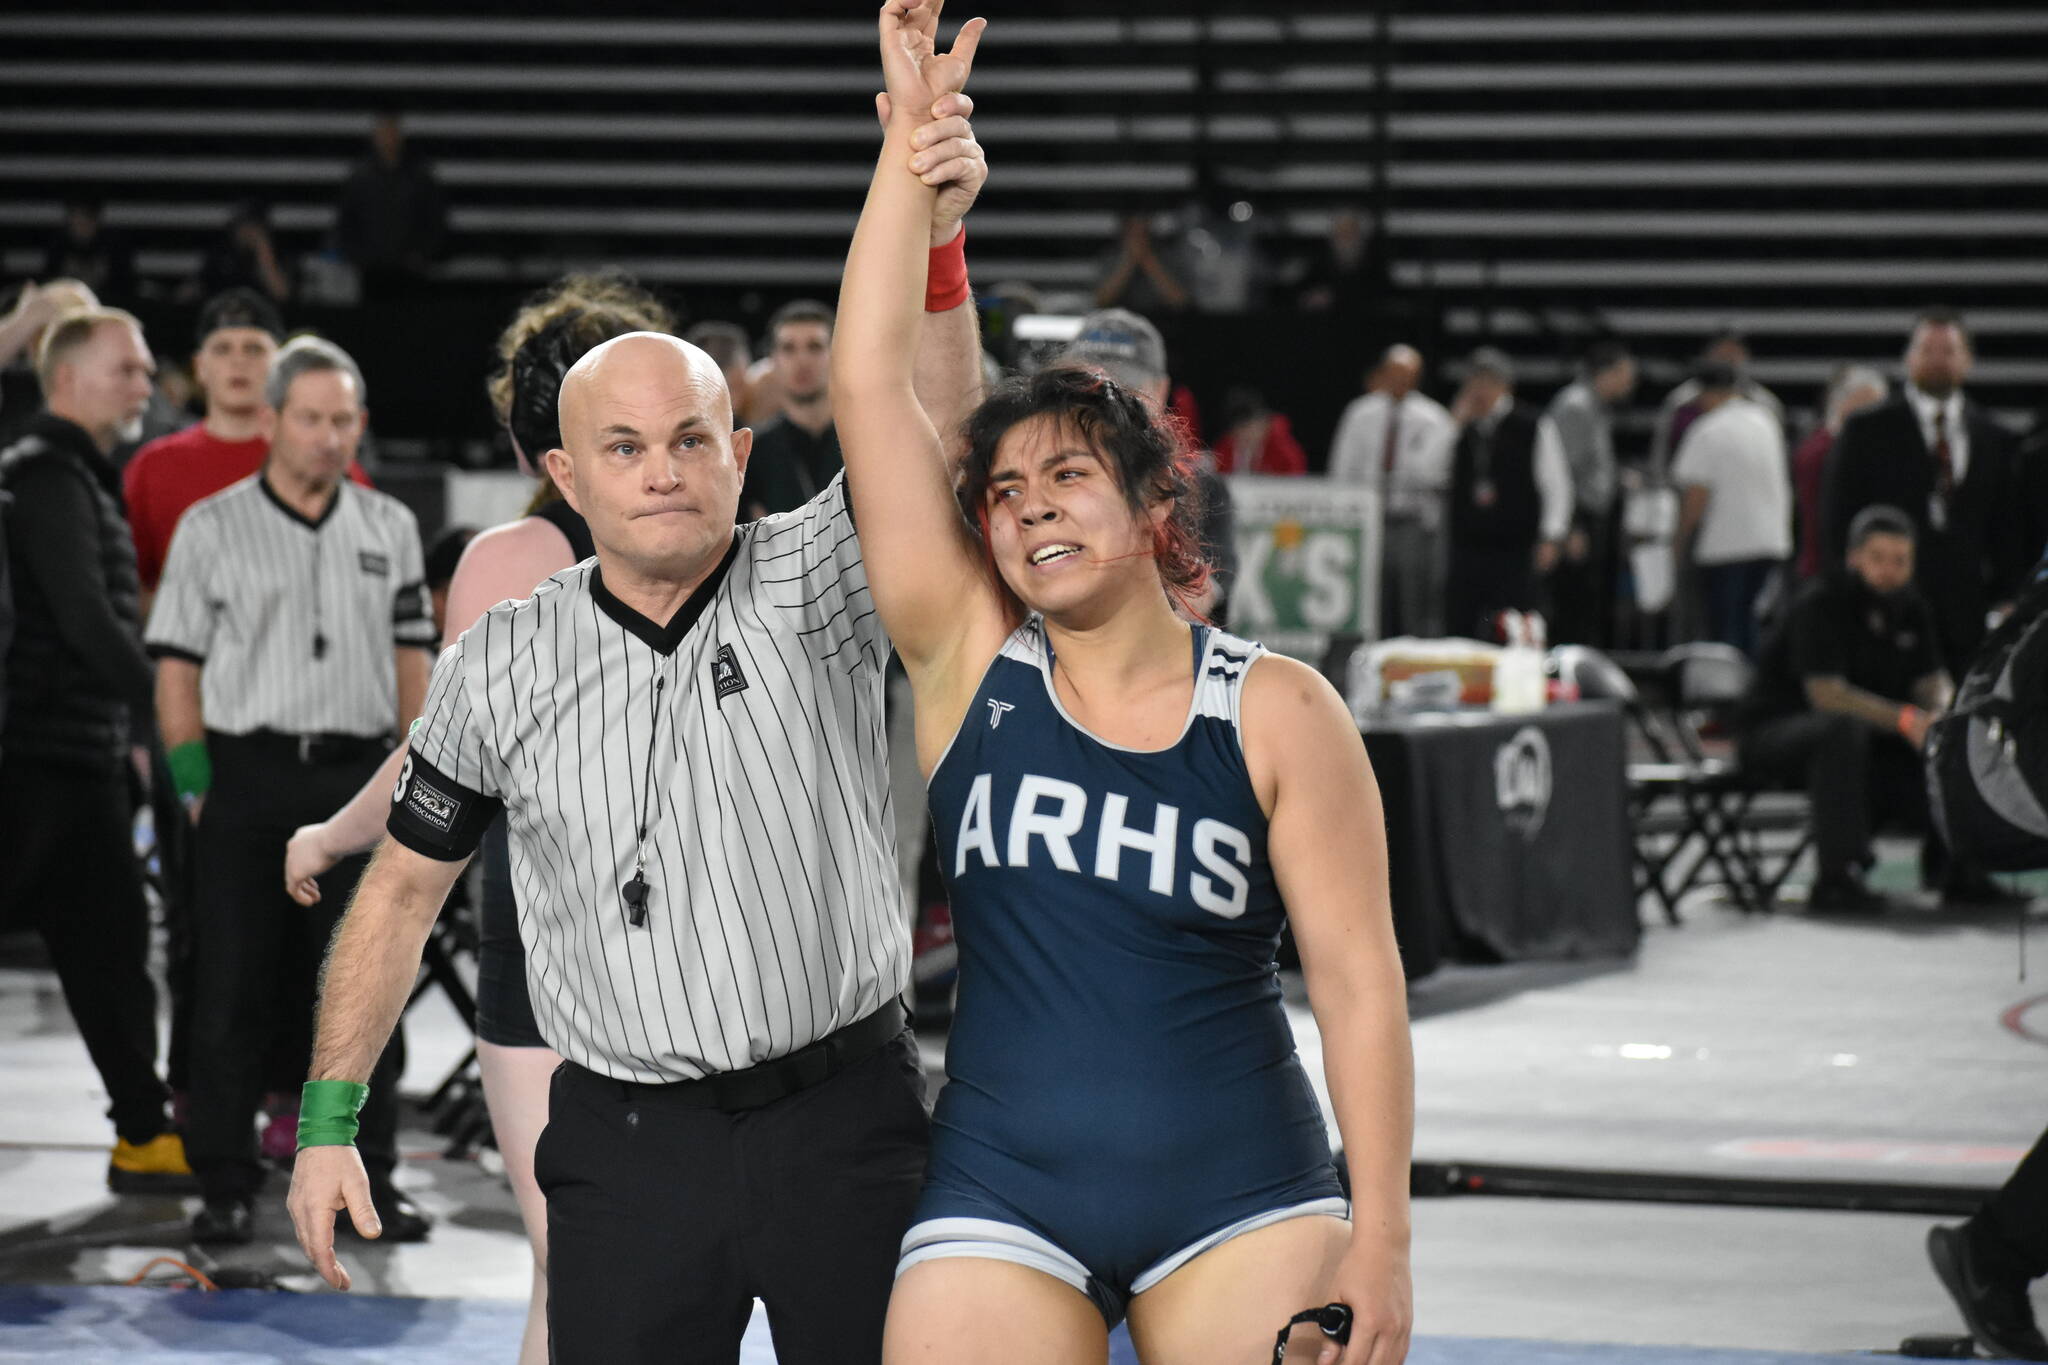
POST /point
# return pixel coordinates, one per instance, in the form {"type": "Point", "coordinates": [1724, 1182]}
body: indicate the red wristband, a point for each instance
{"type": "Point", "coordinates": [1908, 715]}
{"type": "Point", "coordinates": [945, 281]}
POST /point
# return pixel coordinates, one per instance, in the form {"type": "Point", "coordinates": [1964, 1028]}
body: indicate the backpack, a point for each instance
{"type": "Point", "coordinates": [1987, 758]}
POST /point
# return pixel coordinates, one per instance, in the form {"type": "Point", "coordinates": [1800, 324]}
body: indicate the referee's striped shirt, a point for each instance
{"type": "Point", "coordinates": [294, 619]}
{"type": "Point", "coordinates": [773, 916]}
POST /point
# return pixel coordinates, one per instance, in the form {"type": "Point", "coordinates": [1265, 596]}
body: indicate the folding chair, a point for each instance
{"type": "Point", "coordinates": [1737, 813]}
{"type": "Point", "coordinates": [1673, 811]}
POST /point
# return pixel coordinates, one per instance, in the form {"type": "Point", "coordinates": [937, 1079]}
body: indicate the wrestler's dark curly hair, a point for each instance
{"type": "Point", "coordinates": [1147, 452]}
{"type": "Point", "coordinates": [550, 333]}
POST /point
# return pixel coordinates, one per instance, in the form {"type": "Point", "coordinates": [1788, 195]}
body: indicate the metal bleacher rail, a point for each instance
{"type": "Point", "coordinates": [1812, 175]}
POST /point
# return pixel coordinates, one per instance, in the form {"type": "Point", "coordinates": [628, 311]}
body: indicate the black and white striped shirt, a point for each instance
{"type": "Point", "coordinates": [294, 620]}
{"type": "Point", "coordinates": [748, 734]}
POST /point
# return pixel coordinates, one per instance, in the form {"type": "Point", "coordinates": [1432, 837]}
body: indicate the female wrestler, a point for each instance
{"type": "Point", "coordinates": [1126, 807]}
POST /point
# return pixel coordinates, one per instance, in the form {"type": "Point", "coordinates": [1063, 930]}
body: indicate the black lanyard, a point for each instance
{"type": "Point", "coordinates": [635, 891]}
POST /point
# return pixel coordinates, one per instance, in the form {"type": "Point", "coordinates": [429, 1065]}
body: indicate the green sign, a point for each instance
{"type": "Point", "coordinates": [1308, 563]}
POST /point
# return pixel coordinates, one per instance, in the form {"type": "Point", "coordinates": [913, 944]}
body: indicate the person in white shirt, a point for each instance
{"type": "Point", "coordinates": [1397, 440]}
{"type": "Point", "coordinates": [1681, 407]}
{"type": "Point", "coordinates": [1509, 505]}
{"type": "Point", "coordinates": [1735, 517]}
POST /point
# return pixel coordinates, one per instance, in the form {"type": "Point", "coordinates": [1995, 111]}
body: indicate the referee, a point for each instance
{"type": "Point", "coordinates": [293, 642]}
{"type": "Point", "coordinates": [685, 734]}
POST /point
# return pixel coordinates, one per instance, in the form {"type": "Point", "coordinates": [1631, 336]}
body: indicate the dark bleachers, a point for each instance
{"type": "Point", "coordinates": [1812, 174]}
{"type": "Point", "coordinates": [713, 152]}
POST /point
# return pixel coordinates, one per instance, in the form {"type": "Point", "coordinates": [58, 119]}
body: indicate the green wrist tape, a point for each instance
{"type": "Point", "coordinates": [327, 1112]}
{"type": "Point", "coordinates": [191, 768]}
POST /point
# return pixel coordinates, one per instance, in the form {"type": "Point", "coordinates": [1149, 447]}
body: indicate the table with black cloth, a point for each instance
{"type": "Point", "coordinates": [1507, 836]}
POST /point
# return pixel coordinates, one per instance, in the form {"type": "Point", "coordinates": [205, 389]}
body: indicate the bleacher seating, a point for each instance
{"type": "Point", "coordinates": [1811, 174]}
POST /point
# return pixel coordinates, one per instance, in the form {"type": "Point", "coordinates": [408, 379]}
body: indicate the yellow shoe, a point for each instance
{"type": "Point", "coordinates": [157, 1166]}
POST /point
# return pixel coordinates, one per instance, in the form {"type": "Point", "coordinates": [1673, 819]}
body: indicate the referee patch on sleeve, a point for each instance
{"type": "Point", "coordinates": [434, 815]}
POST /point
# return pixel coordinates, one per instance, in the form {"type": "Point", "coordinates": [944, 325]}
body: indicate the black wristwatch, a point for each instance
{"type": "Point", "coordinates": [1332, 1319]}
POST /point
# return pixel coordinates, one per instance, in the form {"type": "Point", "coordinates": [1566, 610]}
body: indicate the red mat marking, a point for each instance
{"type": "Point", "coordinates": [2016, 1020]}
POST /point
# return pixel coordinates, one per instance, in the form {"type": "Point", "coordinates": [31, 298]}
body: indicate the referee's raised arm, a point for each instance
{"type": "Point", "coordinates": [363, 989]}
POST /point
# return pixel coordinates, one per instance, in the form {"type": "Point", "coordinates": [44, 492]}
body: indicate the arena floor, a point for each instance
{"type": "Point", "coordinates": [1904, 1051]}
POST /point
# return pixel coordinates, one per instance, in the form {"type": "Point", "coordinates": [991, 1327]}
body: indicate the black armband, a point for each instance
{"type": "Point", "coordinates": [436, 816]}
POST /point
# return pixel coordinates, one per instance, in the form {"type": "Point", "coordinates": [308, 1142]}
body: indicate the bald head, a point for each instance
{"type": "Point", "coordinates": [1398, 372]}
{"type": "Point", "coordinates": [650, 458]}
{"type": "Point", "coordinates": [640, 377]}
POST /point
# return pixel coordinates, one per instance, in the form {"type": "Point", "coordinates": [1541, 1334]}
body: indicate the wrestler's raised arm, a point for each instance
{"type": "Point", "coordinates": [923, 566]}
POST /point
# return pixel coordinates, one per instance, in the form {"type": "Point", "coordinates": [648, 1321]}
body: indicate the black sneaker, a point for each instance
{"type": "Point", "coordinates": [1978, 889]}
{"type": "Point", "coordinates": [402, 1219]}
{"type": "Point", "coordinates": [1997, 1310]}
{"type": "Point", "coordinates": [1842, 896]}
{"type": "Point", "coordinates": [225, 1223]}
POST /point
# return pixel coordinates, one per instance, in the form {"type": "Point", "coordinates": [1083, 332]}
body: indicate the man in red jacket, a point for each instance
{"type": "Point", "coordinates": [239, 331]}
{"type": "Point", "coordinates": [1256, 439]}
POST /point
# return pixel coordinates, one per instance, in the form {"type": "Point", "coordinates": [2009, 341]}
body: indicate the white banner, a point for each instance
{"type": "Point", "coordinates": [1308, 562]}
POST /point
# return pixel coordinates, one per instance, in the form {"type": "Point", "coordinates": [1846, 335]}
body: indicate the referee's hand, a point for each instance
{"type": "Point", "coordinates": [305, 858]}
{"type": "Point", "coordinates": [948, 158]}
{"type": "Point", "coordinates": [325, 1181]}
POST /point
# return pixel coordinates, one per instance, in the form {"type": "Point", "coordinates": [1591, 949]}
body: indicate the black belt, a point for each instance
{"type": "Point", "coordinates": [766, 1082]}
{"type": "Point", "coordinates": [307, 749]}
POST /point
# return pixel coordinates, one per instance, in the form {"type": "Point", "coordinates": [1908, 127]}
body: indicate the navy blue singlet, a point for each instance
{"type": "Point", "coordinates": [1121, 1076]}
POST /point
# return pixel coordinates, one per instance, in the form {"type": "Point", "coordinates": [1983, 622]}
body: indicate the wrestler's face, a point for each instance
{"type": "Point", "coordinates": [1060, 529]}
{"type": "Point", "coordinates": [652, 461]}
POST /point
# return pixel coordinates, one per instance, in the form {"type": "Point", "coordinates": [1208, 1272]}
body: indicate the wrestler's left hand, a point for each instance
{"type": "Point", "coordinates": [1372, 1279]}
{"type": "Point", "coordinates": [306, 857]}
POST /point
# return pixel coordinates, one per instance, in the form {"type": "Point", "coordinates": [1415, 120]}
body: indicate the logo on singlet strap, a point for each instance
{"type": "Point", "coordinates": [996, 711]}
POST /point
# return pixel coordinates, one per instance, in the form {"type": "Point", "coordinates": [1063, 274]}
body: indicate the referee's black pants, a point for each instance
{"type": "Point", "coordinates": [68, 869]}
{"type": "Point", "coordinates": [256, 956]}
{"type": "Point", "coordinates": [666, 1222]}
